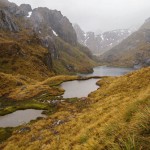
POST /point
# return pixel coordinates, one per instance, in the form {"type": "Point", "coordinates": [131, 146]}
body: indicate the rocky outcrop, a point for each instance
{"type": "Point", "coordinates": [49, 43]}
{"type": "Point", "coordinates": [17, 11]}
{"type": "Point", "coordinates": [50, 24]}
{"type": "Point", "coordinates": [7, 22]}
{"type": "Point", "coordinates": [12, 8]}
{"type": "Point", "coordinates": [98, 44]}
{"type": "Point", "coordinates": [45, 42]}
{"type": "Point", "coordinates": [58, 23]}
{"type": "Point", "coordinates": [23, 10]}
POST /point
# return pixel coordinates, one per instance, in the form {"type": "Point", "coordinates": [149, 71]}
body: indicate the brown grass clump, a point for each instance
{"type": "Point", "coordinates": [8, 82]}
{"type": "Point", "coordinates": [118, 118]}
{"type": "Point", "coordinates": [21, 87]}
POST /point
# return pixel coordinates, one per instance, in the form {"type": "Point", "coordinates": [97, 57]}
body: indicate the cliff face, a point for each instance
{"type": "Point", "coordinates": [6, 22]}
{"type": "Point", "coordinates": [98, 44]}
{"type": "Point", "coordinates": [133, 51]}
{"type": "Point", "coordinates": [45, 38]}
{"type": "Point", "coordinates": [15, 10]}
{"type": "Point", "coordinates": [56, 21]}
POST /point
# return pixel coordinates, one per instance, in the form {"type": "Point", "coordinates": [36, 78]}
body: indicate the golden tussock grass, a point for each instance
{"type": "Point", "coordinates": [118, 118]}
{"type": "Point", "coordinates": [21, 87]}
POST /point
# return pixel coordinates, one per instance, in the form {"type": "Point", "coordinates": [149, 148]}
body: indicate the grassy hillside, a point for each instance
{"type": "Point", "coordinates": [21, 87]}
{"type": "Point", "coordinates": [135, 50]}
{"type": "Point", "coordinates": [116, 116]}
{"type": "Point", "coordinates": [18, 56]}
{"type": "Point", "coordinates": [72, 59]}
{"type": "Point", "coordinates": [24, 55]}
{"type": "Point", "coordinates": [23, 64]}
{"type": "Point", "coordinates": [30, 48]}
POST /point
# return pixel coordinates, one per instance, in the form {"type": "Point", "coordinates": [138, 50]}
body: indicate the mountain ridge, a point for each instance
{"type": "Point", "coordinates": [39, 39]}
{"type": "Point", "coordinates": [100, 43]}
{"type": "Point", "coordinates": [133, 51]}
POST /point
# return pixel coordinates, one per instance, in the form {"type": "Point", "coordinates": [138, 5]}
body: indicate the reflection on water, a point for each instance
{"type": "Point", "coordinates": [72, 89]}
{"type": "Point", "coordinates": [19, 117]}
{"type": "Point", "coordinates": [109, 71]}
{"type": "Point", "coordinates": [79, 88]}
{"type": "Point", "coordinates": [83, 88]}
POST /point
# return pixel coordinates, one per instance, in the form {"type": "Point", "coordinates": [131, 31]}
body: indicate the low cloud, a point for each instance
{"type": "Point", "coordinates": [99, 15]}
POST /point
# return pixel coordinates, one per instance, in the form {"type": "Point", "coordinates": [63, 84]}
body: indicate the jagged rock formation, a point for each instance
{"type": "Point", "coordinates": [98, 44]}
{"type": "Point", "coordinates": [6, 22]}
{"type": "Point", "coordinates": [7, 10]}
{"type": "Point", "coordinates": [12, 8]}
{"type": "Point", "coordinates": [41, 40]}
{"type": "Point", "coordinates": [133, 51]}
{"type": "Point", "coordinates": [58, 23]}
{"type": "Point", "coordinates": [49, 24]}
{"type": "Point", "coordinates": [24, 10]}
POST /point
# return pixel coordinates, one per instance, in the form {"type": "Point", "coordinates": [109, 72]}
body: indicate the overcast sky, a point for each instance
{"type": "Point", "coordinates": [98, 15]}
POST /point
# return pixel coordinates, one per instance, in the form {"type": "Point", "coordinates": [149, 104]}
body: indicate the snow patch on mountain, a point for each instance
{"type": "Point", "coordinates": [29, 14]}
{"type": "Point", "coordinates": [98, 44]}
{"type": "Point", "coordinates": [54, 33]}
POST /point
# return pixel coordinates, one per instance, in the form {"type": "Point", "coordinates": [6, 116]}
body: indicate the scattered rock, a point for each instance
{"type": "Point", "coordinates": [83, 98]}
{"type": "Point", "coordinates": [58, 122]}
{"type": "Point", "coordinates": [23, 88]}
{"type": "Point", "coordinates": [19, 83]}
{"type": "Point", "coordinates": [70, 67]}
{"type": "Point", "coordinates": [55, 132]}
{"type": "Point", "coordinates": [24, 129]}
{"type": "Point", "coordinates": [62, 100]}
{"type": "Point", "coordinates": [54, 102]}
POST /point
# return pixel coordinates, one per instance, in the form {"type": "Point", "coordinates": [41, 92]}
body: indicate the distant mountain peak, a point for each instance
{"type": "Point", "coordinates": [100, 43]}
{"type": "Point", "coordinates": [54, 19]}
{"type": "Point", "coordinates": [132, 51]}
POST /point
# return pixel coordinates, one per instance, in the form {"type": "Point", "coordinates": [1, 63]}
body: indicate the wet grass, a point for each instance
{"type": "Point", "coordinates": [114, 117]}
{"type": "Point", "coordinates": [134, 108]}
{"type": "Point", "coordinates": [5, 133]}
{"type": "Point", "coordinates": [9, 106]}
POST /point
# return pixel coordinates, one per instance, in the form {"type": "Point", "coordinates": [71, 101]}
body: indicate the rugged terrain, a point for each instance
{"type": "Point", "coordinates": [133, 51]}
{"type": "Point", "coordinates": [117, 116]}
{"type": "Point", "coordinates": [39, 43]}
{"type": "Point", "coordinates": [36, 46]}
{"type": "Point", "coordinates": [98, 44]}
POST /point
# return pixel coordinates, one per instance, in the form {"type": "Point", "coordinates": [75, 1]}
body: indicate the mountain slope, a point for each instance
{"type": "Point", "coordinates": [135, 50]}
{"type": "Point", "coordinates": [98, 44]}
{"type": "Point", "coordinates": [39, 43]}
{"type": "Point", "coordinates": [116, 116]}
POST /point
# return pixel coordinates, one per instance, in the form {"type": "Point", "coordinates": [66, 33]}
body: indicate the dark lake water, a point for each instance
{"type": "Point", "coordinates": [79, 88]}
{"type": "Point", "coordinates": [20, 117]}
{"type": "Point", "coordinates": [83, 88]}
{"type": "Point", "coordinates": [109, 71]}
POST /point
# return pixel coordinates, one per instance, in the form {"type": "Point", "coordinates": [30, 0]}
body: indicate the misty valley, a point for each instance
{"type": "Point", "coordinates": [74, 75]}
